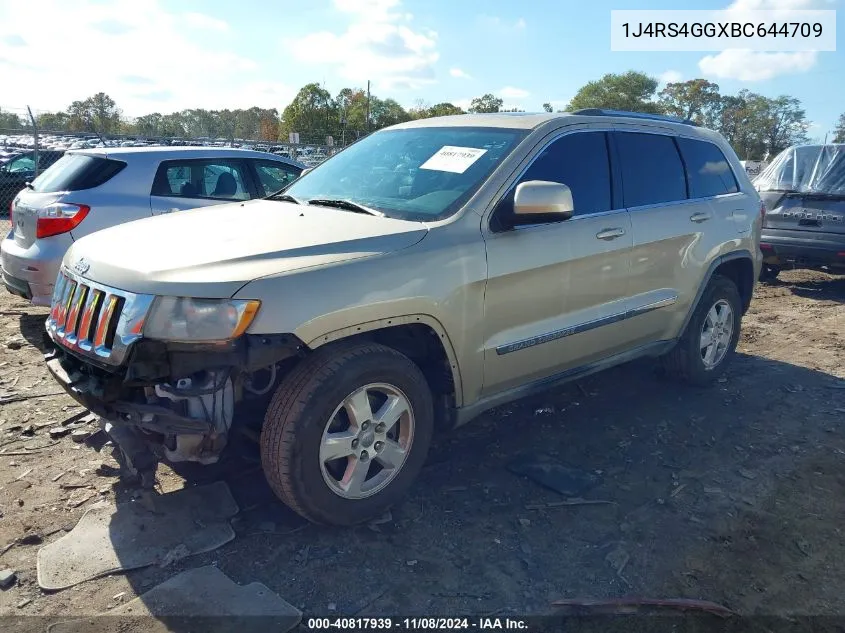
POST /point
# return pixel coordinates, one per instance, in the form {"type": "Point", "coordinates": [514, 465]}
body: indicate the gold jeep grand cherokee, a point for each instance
{"type": "Point", "coordinates": [426, 273]}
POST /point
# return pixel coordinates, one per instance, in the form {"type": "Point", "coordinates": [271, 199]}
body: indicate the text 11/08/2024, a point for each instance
{"type": "Point", "coordinates": [417, 624]}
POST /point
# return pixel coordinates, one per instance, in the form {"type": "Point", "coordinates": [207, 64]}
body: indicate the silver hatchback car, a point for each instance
{"type": "Point", "coordinates": [92, 189]}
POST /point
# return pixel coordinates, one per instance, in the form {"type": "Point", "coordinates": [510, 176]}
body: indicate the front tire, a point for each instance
{"type": "Point", "coordinates": [347, 432]}
{"type": "Point", "coordinates": [709, 341]}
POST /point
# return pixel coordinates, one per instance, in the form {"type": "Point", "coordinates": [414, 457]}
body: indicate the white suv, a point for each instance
{"type": "Point", "coordinates": [92, 189]}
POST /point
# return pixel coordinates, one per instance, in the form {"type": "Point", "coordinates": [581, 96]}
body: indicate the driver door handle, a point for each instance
{"type": "Point", "coordinates": [610, 234]}
{"type": "Point", "coordinates": [699, 217]}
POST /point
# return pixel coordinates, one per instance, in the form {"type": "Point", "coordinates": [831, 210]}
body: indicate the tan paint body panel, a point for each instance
{"type": "Point", "coordinates": [324, 274]}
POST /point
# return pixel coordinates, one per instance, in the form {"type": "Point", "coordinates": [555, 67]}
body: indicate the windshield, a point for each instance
{"type": "Point", "coordinates": [419, 174]}
{"type": "Point", "coordinates": [813, 169]}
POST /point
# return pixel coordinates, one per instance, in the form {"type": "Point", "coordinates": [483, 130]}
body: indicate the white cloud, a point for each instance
{"type": "Point", "coordinates": [463, 104]}
{"type": "Point", "coordinates": [202, 21]}
{"type": "Point", "coordinates": [746, 65]}
{"type": "Point", "coordinates": [377, 44]}
{"type": "Point", "coordinates": [509, 92]}
{"type": "Point", "coordinates": [459, 74]}
{"type": "Point", "coordinates": [143, 56]}
{"type": "Point", "coordinates": [376, 8]}
{"type": "Point", "coordinates": [496, 23]}
{"type": "Point", "coordinates": [670, 77]}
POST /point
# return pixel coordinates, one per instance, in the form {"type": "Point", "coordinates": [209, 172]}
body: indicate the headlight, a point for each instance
{"type": "Point", "coordinates": [199, 320]}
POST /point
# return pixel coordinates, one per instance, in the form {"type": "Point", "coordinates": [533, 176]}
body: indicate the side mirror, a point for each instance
{"type": "Point", "coordinates": [536, 197]}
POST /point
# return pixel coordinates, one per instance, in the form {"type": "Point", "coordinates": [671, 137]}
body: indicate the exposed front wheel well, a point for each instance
{"type": "Point", "coordinates": [423, 345]}
{"type": "Point", "coordinates": [740, 271]}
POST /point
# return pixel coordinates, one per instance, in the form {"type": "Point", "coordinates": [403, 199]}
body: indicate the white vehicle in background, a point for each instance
{"type": "Point", "coordinates": [91, 189]}
{"type": "Point", "coordinates": [753, 167]}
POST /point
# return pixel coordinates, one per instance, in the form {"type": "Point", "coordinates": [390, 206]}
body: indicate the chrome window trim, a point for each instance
{"type": "Point", "coordinates": [669, 299]}
{"type": "Point", "coordinates": [643, 129]}
{"type": "Point", "coordinates": [662, 132]}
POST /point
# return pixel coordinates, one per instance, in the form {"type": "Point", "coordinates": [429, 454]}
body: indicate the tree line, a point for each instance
{"type": "Point", "coordinates": [755, 125]}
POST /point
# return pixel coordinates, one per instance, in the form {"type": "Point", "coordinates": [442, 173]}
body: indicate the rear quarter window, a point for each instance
{"type": "Point", "coordinates": [708, 171]}
{"type": "Point", "coordinates": [75, 172]}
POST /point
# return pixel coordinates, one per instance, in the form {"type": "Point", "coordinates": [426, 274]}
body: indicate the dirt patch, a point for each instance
{"type": "Point", "coordinates": [731, 493]}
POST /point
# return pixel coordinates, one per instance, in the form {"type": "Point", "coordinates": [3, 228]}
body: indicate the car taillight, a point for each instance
{"type": "Point", "coordinates": [58, 218]}
{"type": "Point", "coordinates": [762, 210]}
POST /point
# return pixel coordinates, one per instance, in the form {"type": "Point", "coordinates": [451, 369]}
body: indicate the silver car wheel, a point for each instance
{"type": "Point", "coordinates": [366, 441]}
{"type": "Point", "coordinates": [716, 333]}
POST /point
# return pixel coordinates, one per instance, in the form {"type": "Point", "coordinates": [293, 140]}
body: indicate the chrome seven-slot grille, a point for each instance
{"type": "Point", "coordinates": [95, 320]}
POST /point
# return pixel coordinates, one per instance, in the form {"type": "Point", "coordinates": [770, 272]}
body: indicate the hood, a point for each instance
{"type": "Point", "coordinates": [213, 251]}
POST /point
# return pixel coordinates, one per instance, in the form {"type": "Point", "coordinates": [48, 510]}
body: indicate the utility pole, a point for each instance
{"type": "Point", "coordinates": [34, 137]}
{"type": "Point", "coordinates": [368, 106]}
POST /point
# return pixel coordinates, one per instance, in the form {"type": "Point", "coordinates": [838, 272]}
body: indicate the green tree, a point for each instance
{"type": "Point", "coordinates": [312, 112]}
{"type": "Point", "coordinates": [351, 104]}
{"type": "Point", "coordinates": [839, 132]}
{"type": "Point", "coordinates": [149, 124]}
{"type": "Point", "coordinates": [631, 91]}
{"type": "Point", "coordinates": [103, 113]}
{"type": "Point", "coordinates": [9, 121]}
{"type": "Point", "coordinates": [386, 112]}
{"type": "Point", "coordinates": [784, 123]}
{"type": "Point", "coordinates": [696, 100]}
{"type": "Point", "coordinates": [444, 109]}
{"type": "Point", "coordinates": [53, 121]}
{"type": "Point", "coordinates": [547, 107]}
{"type": "Point", "coordinates": [486, 103]}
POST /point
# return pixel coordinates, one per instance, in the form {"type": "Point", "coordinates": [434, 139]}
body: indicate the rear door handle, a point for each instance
{"type": "Point", "coordinates": [610, 234]}
{"type": "Point", "coordinates": [699, 217]}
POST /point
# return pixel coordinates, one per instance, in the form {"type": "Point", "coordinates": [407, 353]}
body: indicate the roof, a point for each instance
{"type": "Point", "coordinates": [532, 121]}
{"type": "Point", "coordinates": [168, 152]}
{"type": "Point", "coordinates": [512, 120]}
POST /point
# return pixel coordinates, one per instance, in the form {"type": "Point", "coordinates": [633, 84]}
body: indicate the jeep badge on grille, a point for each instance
{"type": "Point", "coordinates": [81, 266]}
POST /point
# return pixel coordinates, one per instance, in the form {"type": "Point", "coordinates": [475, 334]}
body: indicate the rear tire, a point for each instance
{"type": "Point", "coordinates": [709, 341]}
{"type": "Point", "coordinates": [335, 402]}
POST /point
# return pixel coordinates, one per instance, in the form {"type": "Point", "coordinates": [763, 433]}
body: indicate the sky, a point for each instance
{"type": "Point", "coordinates": [167, 55]}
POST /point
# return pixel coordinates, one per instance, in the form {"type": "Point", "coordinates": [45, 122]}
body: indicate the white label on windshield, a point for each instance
{"type": "Point", "coordinates": [454, 159]}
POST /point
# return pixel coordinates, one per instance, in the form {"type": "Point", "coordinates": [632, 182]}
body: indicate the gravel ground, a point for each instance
{"type": "Point", "coordinates": [731, 493]}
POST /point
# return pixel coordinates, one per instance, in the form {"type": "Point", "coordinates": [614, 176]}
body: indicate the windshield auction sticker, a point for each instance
{"type": "Point", "coordinates": [453, 159]}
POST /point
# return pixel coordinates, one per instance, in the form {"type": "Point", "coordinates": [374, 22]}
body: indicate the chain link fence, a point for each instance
{"type": "Point", "coordinates": [25, 152]}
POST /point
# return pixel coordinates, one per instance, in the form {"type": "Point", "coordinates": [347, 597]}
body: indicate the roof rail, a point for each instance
{"type": "Point", "coordinates": [633, 115]}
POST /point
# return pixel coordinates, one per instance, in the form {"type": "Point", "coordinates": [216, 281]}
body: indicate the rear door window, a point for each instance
{"type": "Point", "coordinates": [652, 171]}
{"type": "Point", "coordinates": [75, 172]}
{"type": "Point", "coordinates": [212, 179]}
{"type": "Point", "coordinates": [274, 176]}
{"type": "Point", "coordinates": [708, 170]}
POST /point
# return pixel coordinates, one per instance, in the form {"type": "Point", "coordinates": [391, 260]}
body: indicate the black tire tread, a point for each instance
{"type": "Point", "coordinates": [678, 362]}
{"type": "Point", "coordinates": [286, 408]}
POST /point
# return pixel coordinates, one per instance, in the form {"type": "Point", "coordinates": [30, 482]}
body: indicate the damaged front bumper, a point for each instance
{"type": "Point", "coordinates": [176, 399]}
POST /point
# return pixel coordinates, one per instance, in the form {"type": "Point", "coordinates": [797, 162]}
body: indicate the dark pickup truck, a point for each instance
{"type": "Point", "coordinates": [804, 193]}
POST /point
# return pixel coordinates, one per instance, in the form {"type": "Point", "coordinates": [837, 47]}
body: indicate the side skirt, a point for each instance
{"type": "Point", "coordinates": [465, 414]}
